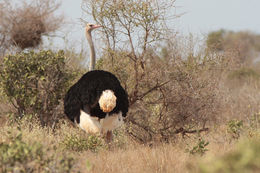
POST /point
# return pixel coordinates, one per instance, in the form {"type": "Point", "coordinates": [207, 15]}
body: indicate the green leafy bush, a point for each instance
{"type": "Point", "coordinates": [199, 148]}
{"type": "Point", "coordinates": [35, 82]}
{"type": "Point", "coordinates": [235, 127]}
{"type": "Point", "coordinates": [19, 156]}
{"type": "Point", "coordinates": [245, 158]}
{"type": "Point", "coordinates": [78, 143]}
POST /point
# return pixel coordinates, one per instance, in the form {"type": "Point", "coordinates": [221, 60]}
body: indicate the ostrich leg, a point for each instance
{"type": "Point", "coordinates": [109, 136]}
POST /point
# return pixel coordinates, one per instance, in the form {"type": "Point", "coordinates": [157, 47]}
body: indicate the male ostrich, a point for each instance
{"type": "Point", "coordinates": [97, 102]}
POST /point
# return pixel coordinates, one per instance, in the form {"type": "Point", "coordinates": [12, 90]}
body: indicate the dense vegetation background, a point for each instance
{"type": "Point", "coordinates": [194, 105]}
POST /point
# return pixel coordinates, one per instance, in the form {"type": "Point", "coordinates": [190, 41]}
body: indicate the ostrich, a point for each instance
{"type": "Point", "coordinates": [97, 102]}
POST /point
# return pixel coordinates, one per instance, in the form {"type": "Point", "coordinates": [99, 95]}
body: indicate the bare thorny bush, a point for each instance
{"type": "Point", "coordinates": [23, 24]}
{"type": "Point", "coordinates": [175, 96]}
{"type": "Point", "coordinates": [170, 92]}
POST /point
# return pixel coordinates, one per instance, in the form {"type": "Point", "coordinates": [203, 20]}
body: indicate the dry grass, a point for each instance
{"type": "Point", "coordinates": [133, 157]}
{"type": "Point", "coordinates": [163, 158]}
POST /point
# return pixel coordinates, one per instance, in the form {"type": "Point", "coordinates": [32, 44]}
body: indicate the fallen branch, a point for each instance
{"type": "Point", "coordinates": [184, 132]}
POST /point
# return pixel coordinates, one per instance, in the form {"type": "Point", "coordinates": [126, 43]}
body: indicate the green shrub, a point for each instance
{"type": "Point", "coordinates": [19, 156]}
{"type": "Point", "coordinates": [245, 158]}
{"type": "Point", "coordinates": [35, 82]}
{"type": "Point", "coordinates": [199, 148]}
{"type": "Point", "coordinates": [235, 128]}
{"type": "Point", "coordinates": [77, 143]}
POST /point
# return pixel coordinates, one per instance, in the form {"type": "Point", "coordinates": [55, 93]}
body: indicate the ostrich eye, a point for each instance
{"type": "Point", "coordinates": [91, 25]}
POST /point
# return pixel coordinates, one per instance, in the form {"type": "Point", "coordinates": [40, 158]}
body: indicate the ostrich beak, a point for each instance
{"type": "Point", "coordinates": [97, 26]}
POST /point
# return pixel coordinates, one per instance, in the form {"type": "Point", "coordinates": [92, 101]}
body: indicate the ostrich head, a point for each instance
{"type": "Point", "coordinates": [90, 27]}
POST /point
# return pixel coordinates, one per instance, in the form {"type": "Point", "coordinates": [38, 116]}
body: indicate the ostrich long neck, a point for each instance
{"type": "Point", "coordinates": [92, 51]}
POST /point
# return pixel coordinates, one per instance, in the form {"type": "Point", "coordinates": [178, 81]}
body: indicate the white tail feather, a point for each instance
{"type": "Point", "coordinates": [107, 101]}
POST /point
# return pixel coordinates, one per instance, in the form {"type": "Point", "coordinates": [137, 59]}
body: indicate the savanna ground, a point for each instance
{"type": "Point", "coordinates": [194, 105]}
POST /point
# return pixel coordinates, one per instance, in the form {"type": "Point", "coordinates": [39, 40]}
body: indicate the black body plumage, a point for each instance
{"type": "Point", "coordinates": [85, 93]}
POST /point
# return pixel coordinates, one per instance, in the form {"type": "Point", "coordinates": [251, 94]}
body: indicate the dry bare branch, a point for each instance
{"type": "Point", "coordinates": [23, 25]}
